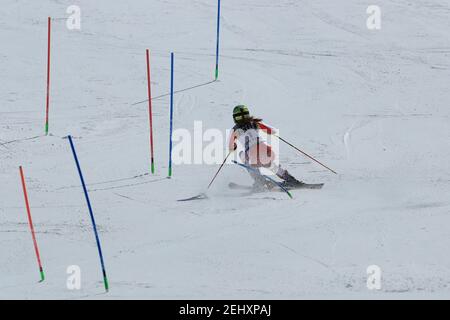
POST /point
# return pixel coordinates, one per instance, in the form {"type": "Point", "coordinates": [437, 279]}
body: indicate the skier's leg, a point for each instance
{"type": "Point", "coordinates": [283, 174]}
{"type": "Point", "coordinates": [245, 157]}
{"type": "Point", "coordinates": [258, 180]}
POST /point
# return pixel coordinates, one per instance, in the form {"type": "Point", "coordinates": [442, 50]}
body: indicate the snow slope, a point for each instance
{"type": "Point", "coordinates": [374, 105]}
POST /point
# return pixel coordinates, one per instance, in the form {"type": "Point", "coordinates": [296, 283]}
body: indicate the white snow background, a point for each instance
{"type": "Point", "coordinates": [372, 104]}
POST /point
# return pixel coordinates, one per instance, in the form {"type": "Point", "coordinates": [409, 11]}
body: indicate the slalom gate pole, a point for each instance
{"type": "Point", "coordinates": [105, 278]}
{"type": "Point", "coordinates": [305, 154]}
{"type": "Point", "coordinates": [150, 112]}
{"type": "Point", "coordinates": [30, 222]}
{"type": "Point", "coordinates": [217, 41]}
{"type": "Point", "coordinates": [171, 114]}
{"type": "Point", "coordinates": [220, 168]}
{"type": "Point", "coordinates": [47, 107]}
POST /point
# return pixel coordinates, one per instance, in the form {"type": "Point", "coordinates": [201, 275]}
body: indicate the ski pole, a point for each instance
{"type": "Point", "coordinates": [305, 154]}
{"type": "Point", "coordinates": [221, 166]}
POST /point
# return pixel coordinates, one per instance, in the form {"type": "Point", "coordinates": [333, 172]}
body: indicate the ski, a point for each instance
{"type": "Point", "coordinates": [302, 185]}
{"type": "Point", "coordinates": [267, 178]}
{"type": "Point", "coordinates": [312, 186]}
{"type": "Point", "coordinates": [201, 196]}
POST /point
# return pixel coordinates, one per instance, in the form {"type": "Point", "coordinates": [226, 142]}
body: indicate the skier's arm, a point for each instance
{"type": "Point", "coordinates": [232, 142]}
{"type": "Point", "coordinates": [264, 127]}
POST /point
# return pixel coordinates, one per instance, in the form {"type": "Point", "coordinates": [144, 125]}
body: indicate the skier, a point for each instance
{"type": "Point", "coordinates": [257, 153]}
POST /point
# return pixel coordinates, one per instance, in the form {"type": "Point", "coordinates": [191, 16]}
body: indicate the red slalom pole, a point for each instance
{"type": "Point", "coordinates": [30, 221]}
{"type": "Point", "coordinates": [150, 111]}
{"type": "Point", "coordinates": [48, 75]}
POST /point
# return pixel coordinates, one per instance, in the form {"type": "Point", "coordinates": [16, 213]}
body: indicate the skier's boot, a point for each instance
{"type": "Point", "coordinates": [289, 180]}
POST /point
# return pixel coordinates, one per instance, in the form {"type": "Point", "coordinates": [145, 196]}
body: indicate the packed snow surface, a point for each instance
{"type": "Point", "coordinates": [371, 104]}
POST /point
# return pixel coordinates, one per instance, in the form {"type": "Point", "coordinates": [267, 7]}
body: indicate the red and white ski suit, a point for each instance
{"type": "Point", "coordinates": [257, 152]}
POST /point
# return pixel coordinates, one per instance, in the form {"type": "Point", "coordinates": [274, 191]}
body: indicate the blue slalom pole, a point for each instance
{"type": "Point", "coordinates": [171, 113]}
{"type": "Point", "coordinates": [105, 278]}
{"type": "Point", "coordinates": [218, 42]}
